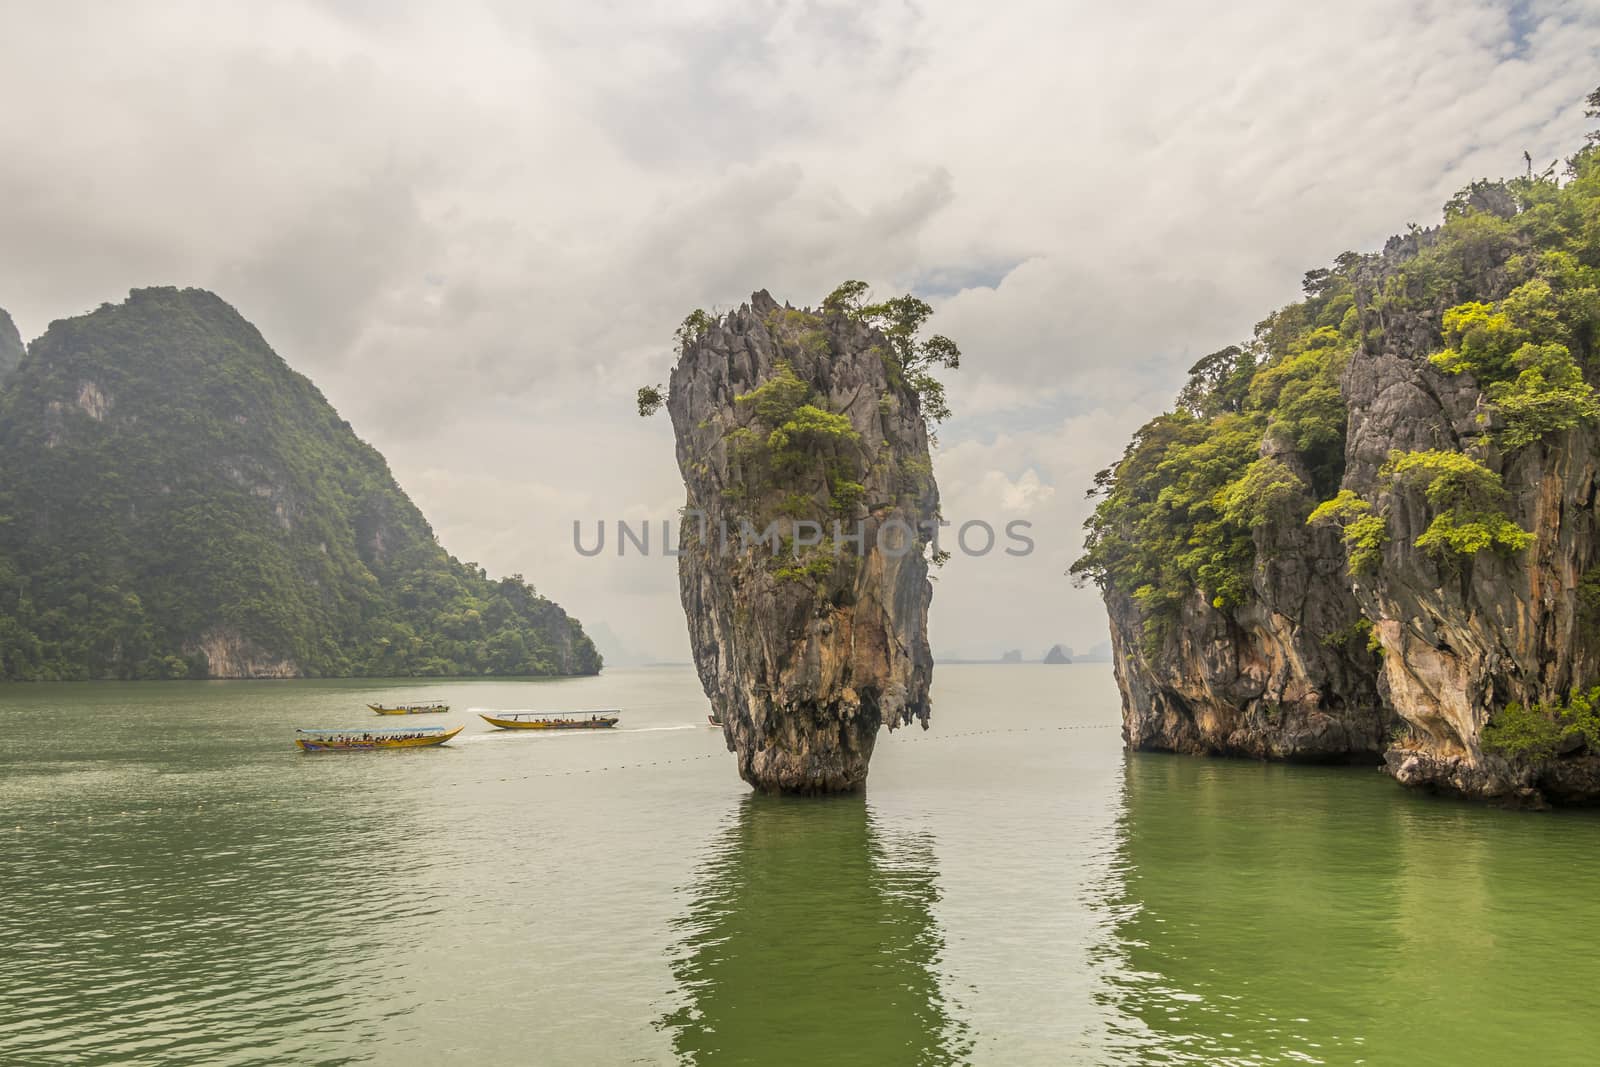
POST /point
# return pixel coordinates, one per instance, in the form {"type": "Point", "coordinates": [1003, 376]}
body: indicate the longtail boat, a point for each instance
{"type": "Point", "coordinates": [713, 720]}
{"type": "Point", "coordinates": [362, 740]}
{"type": "Point", "coordinates": [541, 720]}
{"type": "Point", "coordinates": [409, 709]}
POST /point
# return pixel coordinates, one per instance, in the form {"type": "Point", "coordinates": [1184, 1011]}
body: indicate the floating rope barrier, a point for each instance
{"type": "Point", "coordinates": [930, 736]}
{"type": "Point", "coordinates": [572, 772]}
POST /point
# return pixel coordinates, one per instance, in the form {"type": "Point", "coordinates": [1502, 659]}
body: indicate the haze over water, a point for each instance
{"type": "Point", "coordinates": [181, 885]}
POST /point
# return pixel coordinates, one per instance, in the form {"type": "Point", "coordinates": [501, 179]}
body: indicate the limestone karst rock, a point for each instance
{"type": "Point", "coordinates": [1371, 532]}
{"type": "Point", "coordinates": [796, 425]}
{"type": "Point", "coordinates": [1259, 680]}
{"type": "Point", "coordinates": [1461, 639]}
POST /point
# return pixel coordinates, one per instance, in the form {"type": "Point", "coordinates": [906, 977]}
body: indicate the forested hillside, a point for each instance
{"type": "Point", "coordinates": [176, 502]}
{"type": "Point", "coordinates": [10, 345]}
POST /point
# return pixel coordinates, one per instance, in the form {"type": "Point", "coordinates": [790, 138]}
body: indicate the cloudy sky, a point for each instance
{"type": "Point", "coordinates": [476, 225]}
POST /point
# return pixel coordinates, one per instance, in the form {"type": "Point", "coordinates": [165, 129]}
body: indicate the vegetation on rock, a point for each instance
{"type": "Point", "coordinates": [1468, 500]}
{"type": "Point", "coordinates": [910, 357]}
{"type": "Point", "coordinates": [1365, 534]}
{"type": "Point", "coordinates": [791, 441]}
{"type": "Point", "coordinates": [651, 398]}
{"type": "Point", "coordinates": [1545, 730]}
{"type": "Point", "coordinates": [792, 457]}
{"type": "Point", "coordinates": [809, 511]}
{"type": "Point", "coordinates": [1402, 461]}
{"type": "Point", "coordinates": [1509, 286]}
{"type": "Point", "coordinates": [1518, 350]}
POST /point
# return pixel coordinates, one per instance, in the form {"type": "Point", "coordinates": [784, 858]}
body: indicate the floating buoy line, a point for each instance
{"type": "Point", "coordinates": [578, 772]}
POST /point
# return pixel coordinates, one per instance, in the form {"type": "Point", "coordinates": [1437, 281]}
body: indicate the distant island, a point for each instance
{"type": "Point", "coordinates": [176, 502]}
{"type": "Point", "coordinates": [1098, 653]}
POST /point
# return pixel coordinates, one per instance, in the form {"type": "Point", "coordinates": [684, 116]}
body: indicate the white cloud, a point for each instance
{"type": "Point", "coordinates": [476, 225]}
{"type": "Point", "coordinates": [1017, 496]}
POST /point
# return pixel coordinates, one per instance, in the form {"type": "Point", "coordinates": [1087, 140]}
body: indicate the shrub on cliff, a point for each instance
{"type": "Point", "coordinates": [1545, 730]}
{"type": "Point", "coordinates": [1468, 500]}
{"type": "Point", "coordinates": [1518, 349]}
{"type": "Point", "coordinates": [910, 358]}
{"type": "Point", "coordinates": [1365, 534]}
{"type": "Point", "coordinates": [792, 440]}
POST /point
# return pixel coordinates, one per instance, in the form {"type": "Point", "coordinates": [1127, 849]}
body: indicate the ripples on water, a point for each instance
{"type": "Point", "coordinates": [810, 926]}
{"type": "Point", "coordinates": [1312, 915]}
{"type": "Point", "coordinates": [181, 886]}
{"type": "Point", "coordinates": [190, 919]}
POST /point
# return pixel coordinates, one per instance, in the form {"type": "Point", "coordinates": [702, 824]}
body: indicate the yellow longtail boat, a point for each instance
{"type": "Point", "coordinates": [363, 740]}
{"type": "Point", "coordinates": [409, 709]}
{"type": "Point", "coordinates": [538, 720]}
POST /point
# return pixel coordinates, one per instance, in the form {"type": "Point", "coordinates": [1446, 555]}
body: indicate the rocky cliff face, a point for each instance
{"type": "Point", "coordinates": [794, 425]}
{"type": "Point", "coordinates": [1263, 679]}
{"type": "Point", "coordinates": [1465, 636]}
{"type": "Point", "coordinates": [1439, 611]}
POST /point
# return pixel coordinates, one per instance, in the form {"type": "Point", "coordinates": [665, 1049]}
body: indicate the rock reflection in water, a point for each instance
{"type": "Point", "coordinates": [808, 939]}
{"type": "Point", "coordinates": [1280, 914]}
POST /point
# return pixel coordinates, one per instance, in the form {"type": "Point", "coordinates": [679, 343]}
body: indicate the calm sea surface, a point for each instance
{"type": "Point", "coordinates": [179, 884]}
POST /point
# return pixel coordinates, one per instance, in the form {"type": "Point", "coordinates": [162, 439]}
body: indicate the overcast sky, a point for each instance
{"type": "Point", "coordinates": [476, 226]}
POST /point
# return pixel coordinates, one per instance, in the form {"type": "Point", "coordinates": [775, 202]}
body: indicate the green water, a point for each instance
{"type": "Point", "coordinates": [180, 885]}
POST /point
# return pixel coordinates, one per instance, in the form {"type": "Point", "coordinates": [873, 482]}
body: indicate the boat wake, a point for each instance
{"type": "Point", "coordinates": [512, 735]}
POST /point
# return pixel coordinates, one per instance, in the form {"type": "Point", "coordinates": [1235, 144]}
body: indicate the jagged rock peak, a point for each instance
{"type": "Point", "coordinates": [793, 424]}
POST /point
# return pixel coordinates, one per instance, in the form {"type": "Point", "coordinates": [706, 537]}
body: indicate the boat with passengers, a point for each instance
{"type": "Point", "coordinates": [546, 720]}
{"type": "Point", "coordinates": [364, 740]}
{"type": "Point", "coordinates": [410, 709]}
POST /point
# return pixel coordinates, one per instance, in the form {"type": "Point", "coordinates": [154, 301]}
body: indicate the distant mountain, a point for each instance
{"type": "Point", "coordinates": [175, 501]}
{"type": "Point", "coordinates": [617, 652]}
{"type": "Point", "coordinates": [1058, 654]}
{"type": "Point", "coordinates": [1013, 656]}
{"type": "Point", "coordinates": [11, 349]}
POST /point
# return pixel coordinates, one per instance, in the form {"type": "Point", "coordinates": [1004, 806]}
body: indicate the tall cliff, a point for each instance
{"type": "Point", "coordinates": [1370, 531]}
{"type": "Point", "coordinates": [175, 501]}
{"type": "Point", "coordinates": [1482, 585]}
{"type": "Point", "coordinates": [796, 424]}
